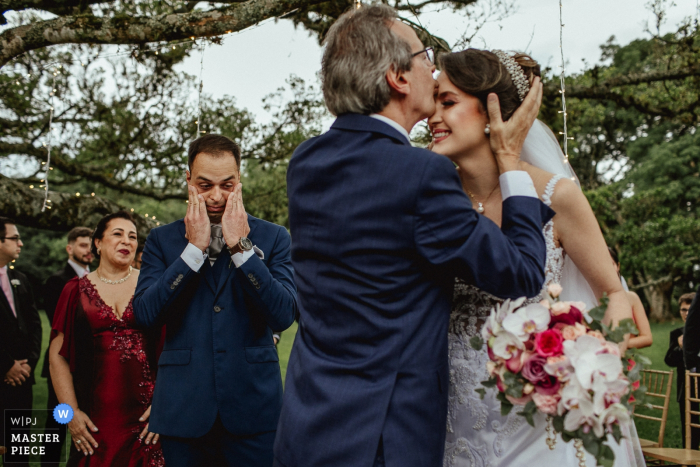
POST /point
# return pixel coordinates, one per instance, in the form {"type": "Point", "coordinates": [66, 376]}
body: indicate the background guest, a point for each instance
{"type": "Point", "coordinates": [644, 337]}
{"type": "Point", "coordinates": [102, 364]}
{"type": "Point", "coordinates": [674, 358]}
{"type": "Point", "coordinates": [78, 265]}
{"type": "Point", "coordinates": [20, 329]}
{"type": "Point", "coordinates": [136, 264]}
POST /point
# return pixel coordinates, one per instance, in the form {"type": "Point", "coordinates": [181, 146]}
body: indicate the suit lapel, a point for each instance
{"type": "Point", "coordinates": [206, 268]}
{"type": "Point", "coordinates": [5, 305]}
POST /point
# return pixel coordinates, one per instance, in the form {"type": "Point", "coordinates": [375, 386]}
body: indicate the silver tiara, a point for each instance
{"type": "Point", "coordinates": [516, 73]}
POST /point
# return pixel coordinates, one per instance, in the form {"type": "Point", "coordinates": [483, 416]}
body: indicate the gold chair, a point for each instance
{"type": "Point", "coordinates": [684, 457]}
{"type": "Point", "coordinates": [659, 384]}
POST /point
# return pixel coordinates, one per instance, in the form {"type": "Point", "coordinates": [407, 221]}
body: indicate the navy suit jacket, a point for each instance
{"type": "Point", "coordinates": [219, 356]}
{"type": "Point", "coordinates": [380, 231]}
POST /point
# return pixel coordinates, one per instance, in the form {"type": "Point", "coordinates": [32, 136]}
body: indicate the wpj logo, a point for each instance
{"type": "Point", "coordinates": [26, 436]}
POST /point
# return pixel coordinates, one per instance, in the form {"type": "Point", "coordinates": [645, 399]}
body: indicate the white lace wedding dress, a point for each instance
{"type": "Point", "coordinates": [477, 434]}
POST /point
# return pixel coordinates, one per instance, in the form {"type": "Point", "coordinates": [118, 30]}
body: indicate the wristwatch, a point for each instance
{"type": "Point", "coordinates": [244, 244]}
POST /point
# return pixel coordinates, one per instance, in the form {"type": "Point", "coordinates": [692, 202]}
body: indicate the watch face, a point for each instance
{"type": "Point", "coordinates": [246, 243]}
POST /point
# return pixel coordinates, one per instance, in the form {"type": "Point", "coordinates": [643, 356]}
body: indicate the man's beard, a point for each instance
{"type": "Point", "coordinates": [82, 260]}
{"type": "Point", "coordinates": [215, 218]}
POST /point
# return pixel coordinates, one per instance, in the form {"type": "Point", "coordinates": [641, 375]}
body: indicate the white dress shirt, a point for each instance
{"type": "Point", "coordinates": [79, 270]}
{"type": "Point", "coordinates": [194, 257]}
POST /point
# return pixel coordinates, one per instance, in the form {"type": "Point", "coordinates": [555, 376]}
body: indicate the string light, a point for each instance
{"type": "Point", "coordinates": [565, 133]}
{"type": "Point", "coordinates": [46, 206]}
{"type": "Point", "coordinates": [201, 85]}
{"type": "Point", "coordinates": [358, 4]}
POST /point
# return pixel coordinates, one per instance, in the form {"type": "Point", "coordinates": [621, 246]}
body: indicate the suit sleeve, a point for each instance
{"type": "Point", "coordinates": [33, 321]}
{"type": "Point", "coordinates": [271, 286]}
{"type": "Point", "coordinates": [507, 262]}
{"type": "Point", "coordinates": [159, 285]}
{"type": "Point", "coordinates": [674, 354]}
{"type": "Point", "coordinates": [52, 290]}
{"type": "Point", "coordinates": [691, 347]}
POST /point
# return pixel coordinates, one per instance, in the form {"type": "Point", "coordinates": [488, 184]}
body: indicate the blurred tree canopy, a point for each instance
{"type": "Point", "coordinates": [636, 151]}
{"type": "Point", "coordinates": [123, 119]}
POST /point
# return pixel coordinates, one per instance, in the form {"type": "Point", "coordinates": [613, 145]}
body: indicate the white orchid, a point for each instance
{"type": "Point", "coordinates": [572, 395]}
{"type": "Point", "coordinates": [583, 414]}
{"type": "Point", "coordinates": [607, 393]}
{"type": "Point", "coordinates": [525, 321]}
{"type": "Point", "coordinates": [616, 413]}
{"type": "Point", "coordinates": [589, 361]}
{"type": "Point", "coordinates": [492, 326]}
{"type": "Point", "coordinates": [506, 345]}
{"type": "Point", "coordinates": [559, 366]}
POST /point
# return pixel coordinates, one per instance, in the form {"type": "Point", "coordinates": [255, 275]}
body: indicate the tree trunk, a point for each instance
{"type": "Point", "coordinates": [657, 293]}
{"type": "Point", "coordinates": [23, 204]}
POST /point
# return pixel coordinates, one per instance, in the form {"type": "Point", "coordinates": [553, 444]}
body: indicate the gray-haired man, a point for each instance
{"type": "Point", "coordinates": [380, 231]}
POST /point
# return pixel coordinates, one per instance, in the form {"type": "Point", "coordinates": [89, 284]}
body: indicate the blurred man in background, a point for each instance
{"type": "Point", "coordinates": [20, 329]}
{"type": "Point", "coordinates": [78, 264]}
{"type": "Point", "coordinates": [674, 358]}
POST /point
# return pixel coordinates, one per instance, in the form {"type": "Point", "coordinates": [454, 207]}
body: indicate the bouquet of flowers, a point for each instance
{"type": "Point", "coordinates": [556, 358]}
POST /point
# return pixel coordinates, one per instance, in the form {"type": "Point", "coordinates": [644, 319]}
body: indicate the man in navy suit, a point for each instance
{"type": "Point", "coordinates": [220, 281]}
{"type": "Point", "coordinates": [380, 230]}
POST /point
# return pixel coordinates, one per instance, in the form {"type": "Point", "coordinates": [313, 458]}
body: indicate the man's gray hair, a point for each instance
{"type": "Point", "coordinates": [360, 48]}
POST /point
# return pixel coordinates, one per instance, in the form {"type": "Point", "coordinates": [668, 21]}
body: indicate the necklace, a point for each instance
{"type": "Point", "coordinates": [479, 205]}
{"type": "Point", "coordinates": [107, 281]}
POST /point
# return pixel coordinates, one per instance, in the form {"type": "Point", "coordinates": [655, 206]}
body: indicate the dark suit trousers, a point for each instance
{"type": "Point", "coordinates": [695, 432]}
{"type": "Point", "coordinates": [14, 397]}
{"type": "Point", "coordinates": [219, 448]}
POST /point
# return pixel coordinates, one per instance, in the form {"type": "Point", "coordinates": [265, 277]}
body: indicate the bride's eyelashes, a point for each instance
{"type": "Point", "coordinates": [448, 103]}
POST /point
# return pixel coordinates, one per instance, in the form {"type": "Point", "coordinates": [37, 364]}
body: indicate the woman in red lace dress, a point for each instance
{"type": "Point", "coordinates": [102, 364]}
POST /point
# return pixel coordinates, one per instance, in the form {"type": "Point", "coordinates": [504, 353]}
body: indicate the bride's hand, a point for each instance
{"type": "Point", "coordinates": [507, 138]}
{"type": "Point", "coordinates": [151, 438]}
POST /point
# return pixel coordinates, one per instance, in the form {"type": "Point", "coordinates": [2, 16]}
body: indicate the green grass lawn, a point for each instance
{"type": "Point", "coordinates": [647, 429]}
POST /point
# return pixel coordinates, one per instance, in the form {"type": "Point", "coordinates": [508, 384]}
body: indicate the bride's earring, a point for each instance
{"type": "Point", "coordinates": [487, 130]}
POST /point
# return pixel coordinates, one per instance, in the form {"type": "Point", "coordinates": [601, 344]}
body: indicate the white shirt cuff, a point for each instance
{"type": "Point", "coordinates": [193, 257]}
{"type": "Point", "coordinates": [240, 258]}
{"type": "Point", "coordinates": [516, 183]}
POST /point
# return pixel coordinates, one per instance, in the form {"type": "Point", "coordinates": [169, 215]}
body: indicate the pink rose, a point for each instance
{"type": "Point", "coordinates": [569, 333]}
{"type": "Point", "coordinates": [598, 335]}
{"type": "Point", "coordinates": [549, 343]}
{"type": "Point", "coordinates": [560, 308]}
{"type": "Point", "coordinates": [533, 368]}
{"type": "Point", "coordinates": [520, 400]}
{"type": "Point", "coordinates": [545, 403]}
{"type": "Point", "coordinates": [569, 318]}
{"type": "Point", "coordinates": [515, 363]}
{"type": "Point", "coordinates": [549, 386]}
{"type": "Point", "coordinates": [554, 290]}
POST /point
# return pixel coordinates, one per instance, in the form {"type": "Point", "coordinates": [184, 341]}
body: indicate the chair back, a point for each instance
{"type": "Point", "coordinates": [692, 398]}
{"type": "Point", "coordinates": [659, 385]}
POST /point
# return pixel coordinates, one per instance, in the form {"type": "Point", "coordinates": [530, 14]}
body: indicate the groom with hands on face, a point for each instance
{"type": "Point", "coordinates": [221, 282]}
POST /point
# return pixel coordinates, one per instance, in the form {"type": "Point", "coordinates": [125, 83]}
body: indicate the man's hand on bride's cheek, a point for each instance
{"type": "Point", "coordinates": [507, 137]}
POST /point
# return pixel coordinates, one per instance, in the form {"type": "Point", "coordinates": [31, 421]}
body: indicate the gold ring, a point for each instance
{"type": "Point", "coordinates": [77, 441]}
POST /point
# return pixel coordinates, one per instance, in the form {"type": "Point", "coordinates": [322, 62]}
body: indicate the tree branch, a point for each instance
{"type": "Point", "coordinates": [68, 167]}
{"type": "Point", "coordinates": [124, 29]}
{"type": "Point", "coordinates": [24, 205]}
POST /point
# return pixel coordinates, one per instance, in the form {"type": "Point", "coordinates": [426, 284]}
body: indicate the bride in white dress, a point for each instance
{"type": "Point", "coordinates": [577, 258]}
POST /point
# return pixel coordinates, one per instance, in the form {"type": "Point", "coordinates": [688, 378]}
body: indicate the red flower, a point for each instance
{"type": "Point", "coordinates": [572, 317]}
{"type": "Point", "coordinates": [549, 343]}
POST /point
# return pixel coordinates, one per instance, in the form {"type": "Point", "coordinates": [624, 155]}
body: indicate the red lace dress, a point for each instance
{"type": "Point", "coordinates": [111, 361]}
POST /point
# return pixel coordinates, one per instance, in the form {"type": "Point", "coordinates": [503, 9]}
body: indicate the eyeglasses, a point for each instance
{"type": "Point", "coordinates": [14, 239]}
{"type": "Point", "coordinates": [428, 52]}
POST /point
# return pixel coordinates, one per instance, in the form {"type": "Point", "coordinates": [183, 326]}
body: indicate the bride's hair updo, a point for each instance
{"type": "Point", "coordinates": [480, 72]}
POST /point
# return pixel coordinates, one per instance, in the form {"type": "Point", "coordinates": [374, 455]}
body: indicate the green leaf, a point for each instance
{"type": "Point", "coordinates": [476, 342]}
{"type": "Point", "coordinates": [490, 383]}
{"type": "Point", "coordinates": [481, 392]}
{"type": "Point", "coordinates": [558, 424]}
{"type": "Point", "coordinates": [617, 433]}
{"type": "Point", "coordinates": [506, 406]}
